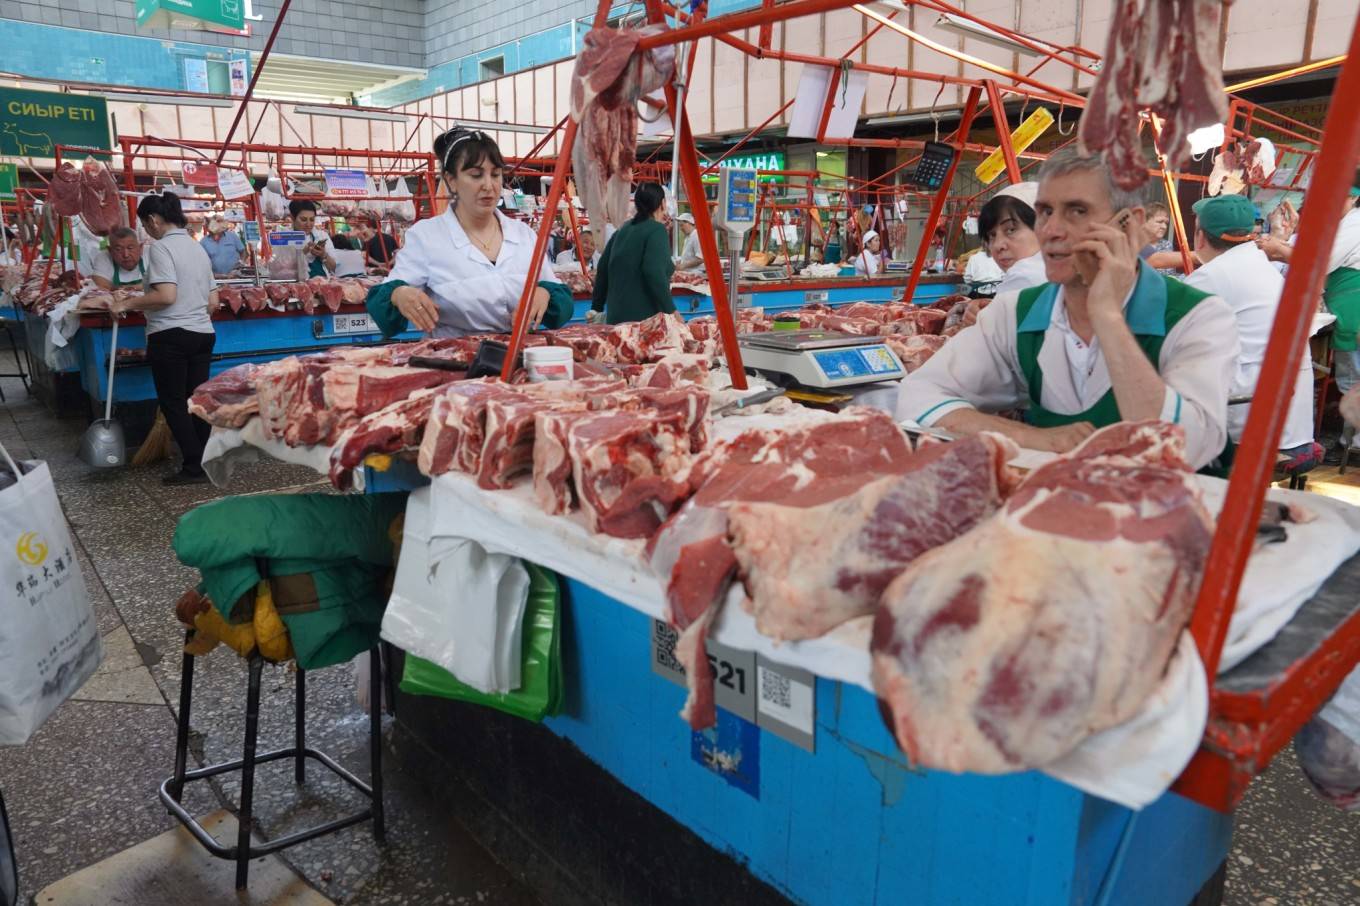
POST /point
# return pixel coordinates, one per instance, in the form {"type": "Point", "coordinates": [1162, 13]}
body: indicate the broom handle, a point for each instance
{"type": "Point", "coordinates": [113, 360]}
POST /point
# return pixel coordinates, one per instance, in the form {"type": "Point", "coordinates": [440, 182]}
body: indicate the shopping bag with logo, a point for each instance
{"type": "Point", "coordinates": [49, 639]}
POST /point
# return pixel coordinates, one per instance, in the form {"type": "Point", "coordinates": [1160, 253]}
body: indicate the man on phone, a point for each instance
{"type": "Point", "coordinates": [316, 250]}
{"type": "Point", "coordinates": [1107, 339]}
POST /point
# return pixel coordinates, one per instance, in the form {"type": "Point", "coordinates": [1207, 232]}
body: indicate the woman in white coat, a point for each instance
{"type": "Point", "coordinates": [462, 272]}
{"type": "Point", "coordinates": [869, 261]}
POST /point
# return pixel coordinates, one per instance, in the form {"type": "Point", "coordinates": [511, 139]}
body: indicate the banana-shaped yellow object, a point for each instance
{"type": "Point", "coordinates": [265, 631]}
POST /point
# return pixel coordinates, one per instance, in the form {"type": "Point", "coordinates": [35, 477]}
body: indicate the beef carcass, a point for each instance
{"type": "Point", "coordinates": [99, 201]}
{"type": "Point", "coordinates": [809, 569]}
{"type": "Point", "coordinates": [1162, 56]}
{"type": "Point", "coordinates": [228, 400]}
{"type": "Point", "coordinates": [391, 430]}
{"type": "Point", "coordinates": [64, 192]}
{"type": "Point", "coordinates": [609, 77]}
{"type": "Point", "coordinates": [629, 469]}
{"type": "Point", "coordinates": [818, 459]}
{"type": "Point", "coordinates": [1054, 619]}
{"type": "Point", "coordinates": [230, 297]}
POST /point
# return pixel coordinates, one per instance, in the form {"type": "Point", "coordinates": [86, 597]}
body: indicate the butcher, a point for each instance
{"type": "Point", "coordinates": [462, 273]}
{"type": "Point", "coordinates": [316, 251]}
{"type": "Point", "coordinates": [122, 265]}
{"type": "Point", "coordinates": [1107, 339]}
{"type": "Point", "coordinates": [691, 258]}
{"type": "Point", "coordinates": [1238, 272]}
{"type": "Point", "coordinates": [869, 261]}
{"type": "Point", "coordinates": [568, 258]}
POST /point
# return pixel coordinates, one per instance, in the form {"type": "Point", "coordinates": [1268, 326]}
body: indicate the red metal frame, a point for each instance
{"type": "Point", "coordinates": [1003, 131]}
{"type": "Point", "coordinates": [933, 220]}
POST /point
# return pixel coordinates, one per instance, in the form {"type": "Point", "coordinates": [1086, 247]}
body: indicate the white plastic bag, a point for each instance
{"type": "Point", "coordinates": [401, 208]}
{"type": "Point", "coordinates": [374, 205]}
{"type": "Point", "coordinates": [49, 638]}
{"type": "Point", "coordinates": [272, 202]}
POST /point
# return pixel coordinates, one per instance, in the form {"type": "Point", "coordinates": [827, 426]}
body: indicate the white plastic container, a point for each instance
{"type": "Point", "coordinates": [548, 363]}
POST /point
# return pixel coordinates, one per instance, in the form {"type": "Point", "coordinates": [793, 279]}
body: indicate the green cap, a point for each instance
{"type": "Point", "coordinates": [1226, 216]}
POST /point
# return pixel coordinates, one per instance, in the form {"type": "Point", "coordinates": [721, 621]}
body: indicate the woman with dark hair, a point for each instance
{"type": "Point", "coordinates": [179, 329]}
{"type": "Point", "coordinates": [634, 278]}
{"type": "Point", "coordinates": [1006, 225]}
{"type": "Point", "coordinates": [462, 272]}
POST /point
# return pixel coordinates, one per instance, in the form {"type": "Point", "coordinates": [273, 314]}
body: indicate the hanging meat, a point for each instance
{"type": "Point", "coordinates": [611, 74]}
{"type": "Point", "coordinates": [1054, 619]}
{"type": "Point", "coordinates": [99, 206]}
{"type": "Point", "coordinates": [64, 192]}
{"type": "Point", "coordinates": [1163, 56]}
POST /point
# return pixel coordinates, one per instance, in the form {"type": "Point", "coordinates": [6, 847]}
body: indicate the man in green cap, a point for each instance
{"type": "Point", "coordinates": [1237, 271]}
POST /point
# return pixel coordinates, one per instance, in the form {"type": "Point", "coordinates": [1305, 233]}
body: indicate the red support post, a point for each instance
{"type": "Point", "coordinates": [936, 207]}
{"type": "Point", "coordinates": [826, 105]}
{"type": "Point", "coordinates": [254, 77]}
{"type": "Point", "coordinates": [1255, 462]}
{"type": "Point", "coordinates": [1003, 132]}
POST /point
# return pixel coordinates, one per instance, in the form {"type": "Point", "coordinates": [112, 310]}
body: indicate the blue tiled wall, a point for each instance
{"type": "Point", "coordinates": [69, 54]}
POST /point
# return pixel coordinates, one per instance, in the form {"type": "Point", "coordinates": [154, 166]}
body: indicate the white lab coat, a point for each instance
{"type": "Point", "coordinates": [868, 264]}
{"type": "Point", "coordinates": [567, 258]}
{"type": "Point", "coordinates": [1025, 273]}
{"type": "Point", "coordinates": [690, 250]}
{"type": "Point", "coordinates": [1245, 279]}
{"type": "Point", "coordinates": [473, 294]}
{"type": "Point", "coordinates": [982, 269]}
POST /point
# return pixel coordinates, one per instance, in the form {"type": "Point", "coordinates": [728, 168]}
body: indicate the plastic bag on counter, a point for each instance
{"type": "Point", "coordinates": [1328, 747]}
{"type": "Point", "coordinates": [49, 638]}
{"type": "Point", "coordinates": [401, 208]}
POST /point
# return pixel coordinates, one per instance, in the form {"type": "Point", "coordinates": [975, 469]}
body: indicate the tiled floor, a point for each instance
{"type": "Point", "coordinates": [84, 788]}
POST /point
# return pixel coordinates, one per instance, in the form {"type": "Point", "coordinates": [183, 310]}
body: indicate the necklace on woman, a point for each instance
{"type": "Point", "coordinates": [483, 244]}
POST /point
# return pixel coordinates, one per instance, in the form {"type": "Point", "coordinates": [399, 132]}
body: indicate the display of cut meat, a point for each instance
{"type": "Point", "coordinates": [64, 192]}
{"type": "Point", "coordinates": [554, 489]}
{"type": "Point", "coordinates": [629, 470]}
{"type": "Point", "coordinates": [390, 430]}
{"type": "Point", "coordinates": [946, 303]}
{"type": "Point", "coordinates": [809, 569]}
{"type": "Point", "coordinates": [689, 405]}
{"type": "Point", "coordinates": [230, 297]}
{"type": "Point", "coordinates": [673, 370]}
{"type": "Point", "coordinates": [279, 293]}
{"type": "Point", "coordinates": [606, 83]}
{"type": "Point", "coordinates": [1162, 56]}
{"type": "Point", "coordinates": [874, 311]}
{"type": "Point", "coordinates": [99, 200]}
{"type": "Point", "coordinates": [94, 299]}
{"type": "Point", "coordinates": [328, 291]}
{"type": "Point", "coordinates": [306, 401]}
{"type": "Point", "coordinates": [456, 431]}
{"type": "Point", "coordinates": [914, 351]}
{"type": "Point", "coordinates": [256, 298]}
{"type": "Point", "coordinates": [508, 451]}
{"type": "Point", "coordinates": [689, 278]}
{"type": "Point", "coordinates": [647, 341]}
{"type": "Point", "coordinates": [353, 292]}
{"type": "Point", "coordinates": [815, 460]}
{"type": "Point", "coordinates": [576, 281]}
{"type": "Point", "coordinates": [587, 341]}
{"type": "Point", "coordinates": [855, 327]}
{"type": "Point", "coordinates": [228, 400]}
{"type": "Point", "coordinates": [1054, 619]}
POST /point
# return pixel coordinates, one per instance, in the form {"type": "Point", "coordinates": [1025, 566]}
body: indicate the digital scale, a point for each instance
{"type": "Point", "coordinates": [736, 215]}
{"type": "Point", "coordinates": [820, 358]}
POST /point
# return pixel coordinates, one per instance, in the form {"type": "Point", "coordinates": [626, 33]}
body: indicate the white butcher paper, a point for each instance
{"type": "Point", "coordinates": [228, 448]}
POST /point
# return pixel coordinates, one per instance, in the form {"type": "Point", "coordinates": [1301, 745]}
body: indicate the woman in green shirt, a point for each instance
{"type": "Point", "coordinates": [634, 278]}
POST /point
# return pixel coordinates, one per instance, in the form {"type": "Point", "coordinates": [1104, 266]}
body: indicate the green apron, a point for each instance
{"type": "Point", "coordinates": [1342, 295]}
{"type": "Point", "coordinates": [118, 275]}
{"type": "Point", "coordinates": [1158, 303]}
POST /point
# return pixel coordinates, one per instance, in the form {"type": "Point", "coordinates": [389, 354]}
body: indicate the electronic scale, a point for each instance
{"type": "Point", "coordinates": [820, 358]}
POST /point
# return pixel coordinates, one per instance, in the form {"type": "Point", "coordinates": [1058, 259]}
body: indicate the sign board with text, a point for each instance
{"type": "Point", "coordinates": [34, 123]}
{"type": "Point", "coordinates": [234, 184]}
{"type": "Point", "coordinates": [199, 173]}
{"type": "Point", "coordinates": [346, 183]}
{"type": "Point", "coordinates": [191, 14]}
{"type": "Point", "coordinates": [734, 671]}
{"type": "Point", "coordinates": [9, 181]}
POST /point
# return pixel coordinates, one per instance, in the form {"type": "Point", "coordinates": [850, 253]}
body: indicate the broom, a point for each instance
{"type": "Point", "coordinates": [156, 447]}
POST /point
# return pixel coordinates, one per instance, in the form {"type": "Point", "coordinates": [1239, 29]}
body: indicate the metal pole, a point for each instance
{"type": "Point", "coordinates": [254, 77]}
{"type": "Point", "coordinates": [1003, 132]}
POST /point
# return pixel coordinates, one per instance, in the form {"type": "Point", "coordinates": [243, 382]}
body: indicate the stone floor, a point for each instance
{"type": "Point", "coordinates": [84, 789]}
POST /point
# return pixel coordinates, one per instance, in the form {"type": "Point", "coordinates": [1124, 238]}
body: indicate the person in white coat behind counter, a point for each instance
{"type": "Point", "coordinates": [869, 261]}
{"type": "Point", "coordinates": [1240, 274]}
{"type": "Point", "coordinates": [462, 273]}
{"type": "Point", "coordinates": [1006, 225]}
{"type": "Point", "coordinates": [691, 257]}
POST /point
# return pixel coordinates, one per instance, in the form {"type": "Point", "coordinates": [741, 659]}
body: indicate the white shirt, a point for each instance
{"type": "Point", "coordinates": [690, 252]}
{"type": "Point", "coordinates": [982, 269]}
{"type": "Point", "coordinates": [1025, 273]}
{"type": "Point", "coordinates": [1346, 246]}
{"type": "Point", "coordinates": [177, 258]}
{"type": "Point", "coordinates": [473, 294]}
{"type": "Point", "coordinates": [979, 369]}
{"type": "Point", "coordinates": [1245, 278]}
{"type": "Point", "coordinates": [567, 258]}
{"type": "Point", "coordinates": [104, 267]}
{"type": "Point", "coordinates": [868, 263]}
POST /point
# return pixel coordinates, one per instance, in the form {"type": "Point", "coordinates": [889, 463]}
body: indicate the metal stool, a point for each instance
{"type": "Point", "coordinates": [172, 789]}
{"type": "Point", "coordinates": [9, 324]}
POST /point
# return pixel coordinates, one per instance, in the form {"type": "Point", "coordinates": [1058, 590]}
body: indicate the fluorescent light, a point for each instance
{"type": "Point", "coordinates": [185, 101]}
{"type": "Point", "coordinates": [970, 29]}
{"type": "Point", "coordinates": [900, 120]}
{"type": "Point", "coordinates": [492, 126]}
{"type": "Point", "coordinates": [1207, 138]}
{"type": "Point", "coordinates": [349, 114]}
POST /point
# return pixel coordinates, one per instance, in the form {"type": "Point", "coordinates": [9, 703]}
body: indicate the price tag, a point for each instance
{"type": "Point", "coordinates": [734, 672]}
{"type": "Point", "coordinates": [786, 703]}
{"type": "Point", "coordinates": [820, 295]}
{"type": "Point", "coordinates": [251, 229]}
{"type": "Point", "coordinates": [898, 293]}
{"type": "Point", "coordinates": [352, 324]}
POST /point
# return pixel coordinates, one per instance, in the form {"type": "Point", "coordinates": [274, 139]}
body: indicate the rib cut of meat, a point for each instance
{"type": "Point", "coordinates": [256, 298]}
{"type": "Point", "coordinates": [629, 470]}
{"type": "Point", "coordinates": [914, 351]}
{"type": "Point", "coordinates": [688, 405]}
{"type": "Point", "coordinates": [279, 293]}
{"type": "Point", "coordinates": [819, 459]}
{"type": "Point", "coordinates": [508, 451]}
{"type": "Point", "coordinates": [639, 342]}
{"type": "Point", "coordinates": [390, 430]}
{"type": "Point", "coordinates": [228, 400]}
{"type": "Point", "coordinates": [809, 569]}
{"type": "Point", "coordinates": [606, 83]}
{"type": "Point", "coordinates": [99, 206]}
{"type": "Point", "coordinates": [554, 489]}
{"type": "Point", "coordinates": [1162, 56]}
{"type": "Point", "coordinates": [1055, 619]}
{"type": "Point", "coordinates": [64, 192]}
{"type": "Point", "coordinates": [330, 291]}
{"type": "Point", "coordinates": [456, 431]}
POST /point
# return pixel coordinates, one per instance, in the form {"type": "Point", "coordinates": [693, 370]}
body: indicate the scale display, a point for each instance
{"type": "Point", "coordinates": [869, 361]}
{"type": "Point", "coordinates": [737, 199]}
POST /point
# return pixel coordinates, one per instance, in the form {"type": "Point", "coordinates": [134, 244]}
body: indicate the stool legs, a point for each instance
{"type": "Point", "coordinates": [300, 729]}
{"type": "Point", "coordinates": [186, 695]}
{"type": "Point", "coordinates": [375, 696]}
{"type": "Point", "coordinates": [245, 820]}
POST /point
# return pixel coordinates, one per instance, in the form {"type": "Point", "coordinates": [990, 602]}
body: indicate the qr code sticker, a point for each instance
{"type": "Point", "coordinates": [776, 689]}
{"type": "Point", "coordinates": [666, 638]}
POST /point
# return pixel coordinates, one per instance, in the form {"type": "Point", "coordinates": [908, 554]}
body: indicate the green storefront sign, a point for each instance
{"type": "Point", "coordinates": [765, 160]}
{"type": "Point", "coordinates": [34, 123]}
{"type": "Point", "coordinates": [191, 14]}
{"type": "Point", "coordinates": [9, 181]}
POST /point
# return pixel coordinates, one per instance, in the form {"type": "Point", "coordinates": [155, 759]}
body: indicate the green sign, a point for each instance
{"type": "Point", "coordinates": [766, 160]}
{"type": "Point", "coordinates": [191, 14]}
{"type": "Point", "coordinates": [9, 181]}
{"type": "Point", "coordinates": [33, 123]}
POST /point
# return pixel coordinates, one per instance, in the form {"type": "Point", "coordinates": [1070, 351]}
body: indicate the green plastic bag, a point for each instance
{"type": "Point", "coordinates": [540, 691]}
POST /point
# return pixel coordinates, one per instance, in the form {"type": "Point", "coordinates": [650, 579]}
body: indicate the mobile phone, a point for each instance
{"type": "Point", "coordinates": [1085, 262]}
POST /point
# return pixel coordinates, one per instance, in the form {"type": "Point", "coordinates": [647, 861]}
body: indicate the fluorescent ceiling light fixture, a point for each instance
{"type": "Point", "coordinates": [970, 29]}
{"type": "Point", "coordinates": [349, 114]}
{"type": "Point", "coordinates": [168, 99]}
{"type": "Point", "coordinates": [906, 118]}
{"type": "Point", "coordinates": [493, 126]}
{"type": "Point", "coordinates": [1207, 138]}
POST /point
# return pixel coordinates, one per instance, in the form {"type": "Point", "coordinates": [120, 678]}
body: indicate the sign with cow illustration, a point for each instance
{"type": "Point", "coordinates": [34, 123]}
